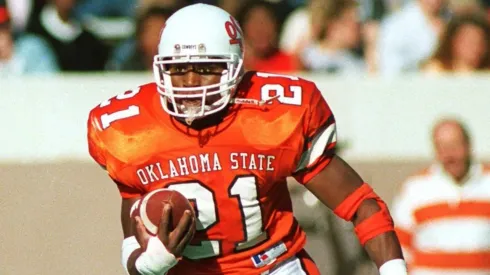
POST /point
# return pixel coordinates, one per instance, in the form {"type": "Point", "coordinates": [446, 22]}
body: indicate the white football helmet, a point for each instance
{"type": "Point", "coordinates": [199, 33]}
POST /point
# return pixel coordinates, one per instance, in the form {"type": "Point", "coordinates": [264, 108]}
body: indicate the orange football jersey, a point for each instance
{"type": "Point", "coordinates": [234, 172]}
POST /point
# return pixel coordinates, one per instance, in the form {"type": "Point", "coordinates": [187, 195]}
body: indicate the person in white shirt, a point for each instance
{"type": "Point", "coordinates": [442, 215]}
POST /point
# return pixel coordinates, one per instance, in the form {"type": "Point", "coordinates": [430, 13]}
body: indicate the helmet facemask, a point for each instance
{"type": "Point", "coordinates": [206, 100]}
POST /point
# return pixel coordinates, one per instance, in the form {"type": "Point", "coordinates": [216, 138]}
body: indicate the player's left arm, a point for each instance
{"type": "Point", "coordinates": [337, 185]}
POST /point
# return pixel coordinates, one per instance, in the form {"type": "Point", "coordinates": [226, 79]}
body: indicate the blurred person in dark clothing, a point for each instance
{"type": "Point", "coordinates": [261, 27]}
{"type": "Point", "coordinates": [76, 48]}
{"type": "Point", "coordinates": [137, 53]}
{"type": "Point", "coordinates": [105, 8]}
{"type": "Point", "coordinates": [464, 47]}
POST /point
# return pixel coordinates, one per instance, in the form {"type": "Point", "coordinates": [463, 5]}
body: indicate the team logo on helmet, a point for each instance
{"type": "Point", "coordinates": [177, 48]}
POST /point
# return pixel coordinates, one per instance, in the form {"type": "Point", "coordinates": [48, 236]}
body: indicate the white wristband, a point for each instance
{"type": "Point", "coordinates": [394, 267]}
{"type": "Point", "coordinates": [129, 245]}
{"type": "Point", "coordinates": [156, 260]}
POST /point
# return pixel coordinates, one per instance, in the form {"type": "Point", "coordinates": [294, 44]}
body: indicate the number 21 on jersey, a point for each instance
{"type": "Point", "coordinates": [243, 189]}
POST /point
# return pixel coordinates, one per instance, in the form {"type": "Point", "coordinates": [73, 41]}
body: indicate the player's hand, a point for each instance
{"type": "Point", "coordinates": [176, 240]}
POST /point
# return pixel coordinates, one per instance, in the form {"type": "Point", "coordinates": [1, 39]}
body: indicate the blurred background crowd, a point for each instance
{"type": "Point", "coordinates": [326, 36]}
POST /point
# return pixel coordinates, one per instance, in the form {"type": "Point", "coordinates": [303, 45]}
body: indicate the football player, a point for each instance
{"type": "Point", "coordinates": [227, 140]}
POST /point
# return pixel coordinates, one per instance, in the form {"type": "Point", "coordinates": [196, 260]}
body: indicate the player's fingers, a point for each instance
{"type": "Point", "coordinates": [182, 228]}
{"type": "Point", "coordinates": [163, 230]}
{"type": "Point", "coordinates": [140, 232]}
{"type": "Point", "coordinates": [188, 235]}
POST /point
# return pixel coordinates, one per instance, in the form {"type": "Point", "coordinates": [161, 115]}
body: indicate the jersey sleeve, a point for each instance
{"type": "Point", "coordinates": [98, 152]}
{"type": "Point", "coordinates": [95, 145]}
{"type": "Point", "coordinates": [320, 139]}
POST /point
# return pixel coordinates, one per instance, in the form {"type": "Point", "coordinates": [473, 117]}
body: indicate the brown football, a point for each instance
{"type": "Point", "coordinates": [150, 208]}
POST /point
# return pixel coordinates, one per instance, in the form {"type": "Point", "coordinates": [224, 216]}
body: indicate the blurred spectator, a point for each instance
{"type": "Point", "coordinates": [106, 8]}
{"type": "Point", "coordinates": [410, 35]}
{"type": "Point", "coordinates": [333, 53]}
{"type": "Point", "coordinates": [76, 48]}
{"type": "Point", "coordinates": [176, 4]}
{"type": "Point", "coordinates": [464, 47]}
{"type": "Point", "coordinates": [442, 214]}
{"type": "Point", "coordinates": [137, 54]}
{"type": "Point", "coordinates": [111, 20]}
{"type": "Point", "coordinates": [303, 27]}
{"type": "Point", "coordinates": [26, 55]}
{"type": "Point", "coordinates": [261, 26]}
{"type": "Point", "coordinates": [465, 6]}
{"type": "Point", "coordinates": [371, 14]}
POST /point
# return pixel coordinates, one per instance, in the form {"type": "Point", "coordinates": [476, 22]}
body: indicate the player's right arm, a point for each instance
{"type": "Point", "coordinates": [142, 254]}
